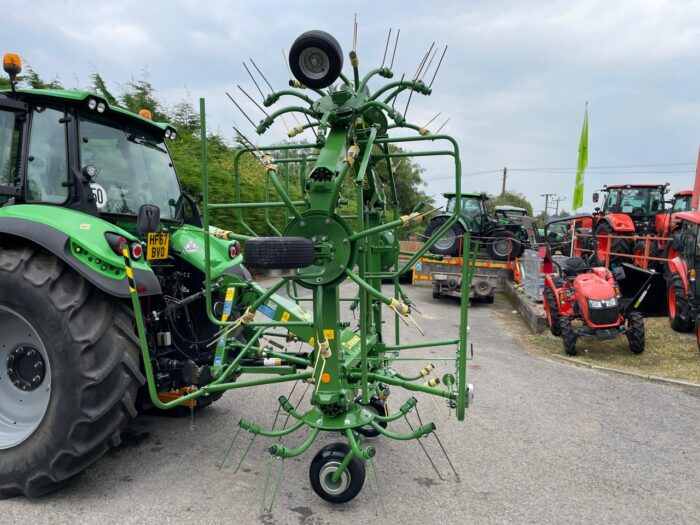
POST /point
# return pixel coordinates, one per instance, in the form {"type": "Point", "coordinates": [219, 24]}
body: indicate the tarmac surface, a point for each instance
{"type": "Point", "coordinates": [544, 442]}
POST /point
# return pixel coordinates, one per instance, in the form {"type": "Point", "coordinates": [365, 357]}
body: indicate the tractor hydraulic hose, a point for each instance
{"type": "Point", "coordinates": [288, 408]}
{"type": "Point", "coordinates": [403, 384]}
{"type": "Point", "coordinates": [281, 451]}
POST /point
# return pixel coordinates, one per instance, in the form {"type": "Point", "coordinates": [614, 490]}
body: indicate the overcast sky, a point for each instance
{"type": "Point", "coordinates": [514, 81]}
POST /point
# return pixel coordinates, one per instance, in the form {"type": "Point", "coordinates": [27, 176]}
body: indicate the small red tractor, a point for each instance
{"type": "Point", "coordinates": [628, 210]}
{"type": "Point", "coordinates": [585, 301]}
{"type": "Point", "coordinates": [681, 276]}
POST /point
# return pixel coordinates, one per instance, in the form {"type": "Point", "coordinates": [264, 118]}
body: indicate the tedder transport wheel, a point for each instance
{"type": "Point", "coordinates": [568, 335]}
{"type": "Point", "coordinates": [606, 244]}
{"type": "Point", "coordinates": [504, 246]}
{"type": "Point", "coordinates": [552, 308]}
{"type": "Point", "coordinates": [69, 372]}
{"type": "Point", "coordinates": [677, 304]}
{"type": "Point", "coordinates": [376, 406]}
{"type": "Point", "coordinates": [635, 334]}
{"type": "Point", "coordinates": [451, 240]}
{"type": "Point", "coordinates": [325, 463]}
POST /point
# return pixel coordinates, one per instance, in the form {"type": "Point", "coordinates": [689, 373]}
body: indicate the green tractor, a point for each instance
{"type": "Point", "coordinates": [504, 236]}
{"type": "Point", "coordinates": [79, 180]}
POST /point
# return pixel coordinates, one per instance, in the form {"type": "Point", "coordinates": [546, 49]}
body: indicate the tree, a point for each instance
{"type": "Point", "coordinates": [99, 86]}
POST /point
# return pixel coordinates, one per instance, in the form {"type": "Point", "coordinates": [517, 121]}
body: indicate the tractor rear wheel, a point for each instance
{"type": "Point", "coordinates": [605, 244]}
{"type": "Point", "coordinates": [326, 463]}
{"type": "Point", "coordinates": [450, 241]}
{"type": "Point", "coordinates": [69, 372]}
{"type": "Point", "coordinates": [677, 304]}
{"type": "Point", "coordinates": [635, 334]}
{"type": "Point", "coordinates": [568, 335]}
{"type": "Point", "coordinates": [504, 245]}
{"type": "Point", "coordinates": [552, 308]}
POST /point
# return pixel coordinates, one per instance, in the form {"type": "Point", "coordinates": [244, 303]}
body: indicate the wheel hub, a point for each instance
{"type": "Point", "coordinates": [26, 368]}
{"type": "Point", "coordinates": [331, 487]}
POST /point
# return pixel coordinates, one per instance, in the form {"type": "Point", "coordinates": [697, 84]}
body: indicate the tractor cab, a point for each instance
{"type": "Point", "coordinates": [473, 210]}
{"type": "Point", "coordinates": [641, 202]}
{"type": "Point", "coordinates": [72, 149]}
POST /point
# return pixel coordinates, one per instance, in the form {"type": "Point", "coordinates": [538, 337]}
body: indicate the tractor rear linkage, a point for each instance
{"type": "Point", "coordinates": [351, 129]}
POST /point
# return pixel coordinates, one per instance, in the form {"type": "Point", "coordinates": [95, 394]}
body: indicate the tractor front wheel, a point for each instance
{"type": "Point", "coordinates": [326, 463]}
{"type": "Point", "coordinates": [504, 246]}
{"type": "Point", "coordinates": [677, 304]}
{"type": "Point", "coordinates": [635, 333]}
{"type": "Point", "coordinates": [568, 335]}
{"type": "Point", "coordinates": [552, 308]}
{"type": "Point", "coordinates": [69, 372]}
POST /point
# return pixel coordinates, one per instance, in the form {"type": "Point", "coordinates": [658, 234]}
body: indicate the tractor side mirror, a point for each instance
{"type": "Point", "coordinates": [596, 196]}
{"type": "Point", "coordinates": [148, 219]}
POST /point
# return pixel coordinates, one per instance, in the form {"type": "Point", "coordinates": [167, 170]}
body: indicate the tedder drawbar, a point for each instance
{"type": "Point", "coordinates": [82, 233]}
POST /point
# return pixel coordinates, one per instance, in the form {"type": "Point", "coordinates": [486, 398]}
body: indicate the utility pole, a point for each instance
{"type": "Point", "coordinates": [503, 188]}
{"type": "Point", "coordinates": [557, 201]}
{"type": "Point", "coordinates": [546, 202]}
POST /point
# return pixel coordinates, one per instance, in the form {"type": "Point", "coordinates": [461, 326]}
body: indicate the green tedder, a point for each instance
{"type": "Point", "coordinates": [118, 295]}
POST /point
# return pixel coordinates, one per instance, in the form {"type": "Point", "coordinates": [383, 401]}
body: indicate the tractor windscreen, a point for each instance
{"type": "Point", "coordinates": [635, 201]}
{"type": "Point", "coordinates": [133, 168]}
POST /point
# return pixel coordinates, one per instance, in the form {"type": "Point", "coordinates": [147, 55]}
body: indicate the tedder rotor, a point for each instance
{"type": "Point", "coordinates": [349, 368]}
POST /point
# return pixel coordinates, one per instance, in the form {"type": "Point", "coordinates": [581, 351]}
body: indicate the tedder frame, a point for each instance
{"type": "Point", "coordinates": [349, 370]}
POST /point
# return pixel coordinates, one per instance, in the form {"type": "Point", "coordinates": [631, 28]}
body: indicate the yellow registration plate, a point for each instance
{"type": "Point", "coordinates": [157, 246]}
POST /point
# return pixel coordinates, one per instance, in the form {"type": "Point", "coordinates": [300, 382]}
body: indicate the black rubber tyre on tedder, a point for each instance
{"type": "Point", "coordinates": [69, 373]}
{"type": "Point", "coordinates": [325, 463]}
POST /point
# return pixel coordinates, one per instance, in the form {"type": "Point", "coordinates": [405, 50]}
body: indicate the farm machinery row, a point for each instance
{"type": "Point", "coordinates": [645, 251]}
{"type": "Point", "coordinates": [116, 292]}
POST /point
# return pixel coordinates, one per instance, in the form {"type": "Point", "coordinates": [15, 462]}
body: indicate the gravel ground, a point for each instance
{"type": "Point", "coordinates": [543, 443]}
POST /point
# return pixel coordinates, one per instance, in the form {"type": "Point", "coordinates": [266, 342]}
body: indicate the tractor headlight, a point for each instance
{"type": "Point", "coordinates": [602, 303]}
{"type": "Point", "coordinates": [92, 104]}
{"type": "Point", "coordinates": [101, 107]}
{"type": "Point", "coordinates": [167, 133]}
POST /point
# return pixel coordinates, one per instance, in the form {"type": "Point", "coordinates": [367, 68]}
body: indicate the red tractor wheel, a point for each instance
{"type": "Point", "coordinates": [551, 307]}
{"type": "Point", "coordinates": [635, 334]}
{"type": "Point", "coordinates": [606, 244]}
{"type": "Point", "coordinates": [678, 304]}
{"type": "Point", "coordinates": [568, 335]}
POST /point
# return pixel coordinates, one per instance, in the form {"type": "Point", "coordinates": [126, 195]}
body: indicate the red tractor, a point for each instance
{"type": "Point", "coordinates": [681, 276]}
{"type": "Point", "coordinates": [628, 209]}
{"type": "Point", "coordinates": [585, 301]}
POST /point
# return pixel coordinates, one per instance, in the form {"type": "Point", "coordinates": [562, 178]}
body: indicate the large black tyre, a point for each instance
{"type": "Point", "coordinates": [451, 240]}
{"type": "Point", "coordinates": [568, 335]}
{"type": "Point", "coordinates": [635, 333]}
{"type": "Point", "coordinates": [325, 463]}
{"type": "Point", "coordinates": [89, 346]}
{"type": "Point", "coordinates": [553, 308]}
{"type": "Point", "coordinates": [316, 59]}
{"type": "Point", "coordinates": [678, 305]}
{"type": "Point", "coordinates": [605, 245]}
{"type": "Point", "coordinates": [278, 253]}
{"type": "Point", "coordinates": [504, 245]}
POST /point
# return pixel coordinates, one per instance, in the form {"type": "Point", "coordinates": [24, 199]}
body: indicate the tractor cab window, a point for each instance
{"type": "Point", "coordinates": [47, 166]}
{"type": "Point", "coordinates": [9, 149]}
{"type": "Point", "coordinates": [471, 207]}
{"type": "Point", "coordinates": [133, 168]}
{"type": "Point", "coordinates": [681, 203]}
{"type": "Point", "coordinates": [611, 203]}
